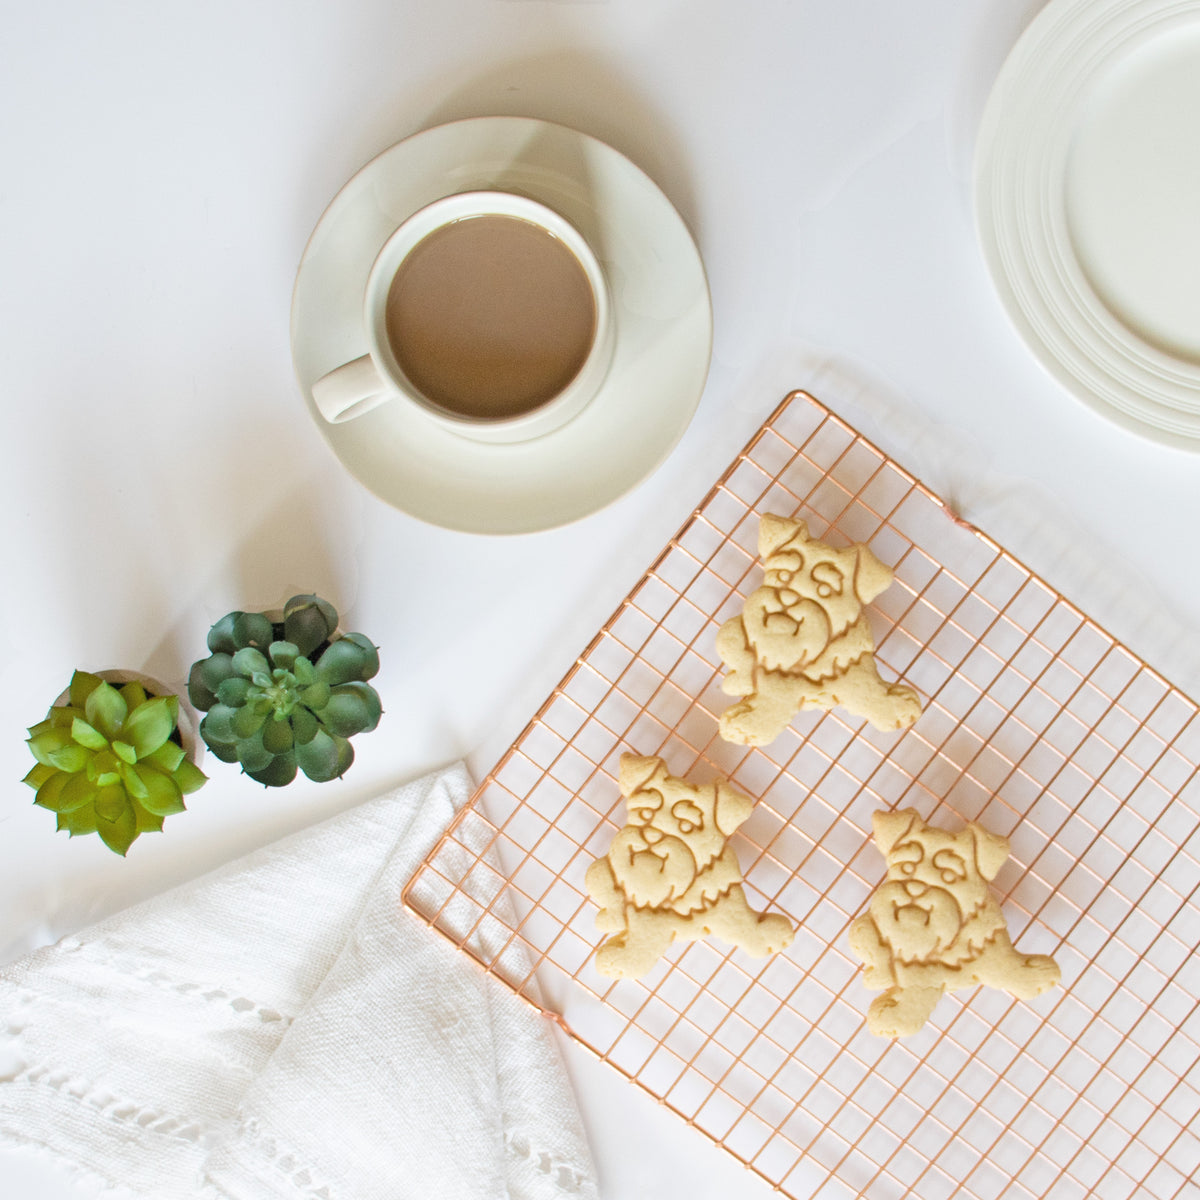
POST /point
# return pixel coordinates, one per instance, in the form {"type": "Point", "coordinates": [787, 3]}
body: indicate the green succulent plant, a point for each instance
{"type": "Point", "coordinates": [282, 696]}
{"type": "Point", "coordinates": [107, 764]}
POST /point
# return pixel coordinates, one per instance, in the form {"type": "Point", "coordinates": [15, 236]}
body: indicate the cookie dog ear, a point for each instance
{"type": "Point", "coordinates": [732, 808]}
{"type": "Point", "coordinates": [636, 772]}
{"type": "Point", "coordinates": [991, 851]}
{"type": "Point", "coordinates": [774, 532]}
{"type": "Point", "coordinates": [890, 827]}
{"type": "Point", "coordinates": [870, 576]}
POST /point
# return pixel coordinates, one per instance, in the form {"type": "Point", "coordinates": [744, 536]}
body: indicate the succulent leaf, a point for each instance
{"type": "Point", "coordinates": [220, 636]}
{"type": "Point", "coordinates": [38, 774]}
{"type": "Point", "coordinates": [106, 710]}
{"type": "Point", "coordinates": [148, 822]}
{"type": "Point", "coordinates": [111, 802]}
{"type": "Point", "coordinates": [315, 696]}
{"type": "Point", "coordinates": [246, 723]}
{"type": "Point", "coordinates": [252, 754]}
{"type": "Point", "coordinates": [45, 739]}
{"type": "Point", "coordinates": [250, 661]}
{"type": "Point", "coordinates": [233, 691]}
{"type": "Point", "coordinates": [217, 726]}
{"type": "Point", "coordinates": [167, 757]}
{"type": "Point", "coordinates": [125, 752]}
{"type": "Point", "coordinates": [188, 777]}
{"type": "Point", "coordinates": [59, 718]}
{"type": "Point", "coordinates": [225, 751]}
{"type": "Point", "coordinates": [55, 748]}
{"type": "Point", "coordinates": [118, 833]}
{"type": "Point", "coordinates": [103, 762]}
{"type": "Point", "coordinates": [163, 796]}
{"type": "Point", "coordinates": [150, 724]}
{"type": "Point", "coordinates": [214, 670]}
{"type": "Point", "coordinates": [134, 694]}
{"type": "Point", "coordinates": [49, 794]}
{"type": "Point", "coordinates": [370, 697]}
{"type": "Point", "coordinates": [81, 687]}
{"type": "Point", "coordinates": [253, 629]}
{"type": "Point", "coordinates": [77, 792]}
{"type": "Point", "coordinates": [304, 725]}
{"type": "Point", "coordinates": [78, 821]}
{"type": "Point", "coordinates": [321, 758]}
{"type": "Point", "coordinates": [86, 735]}
{"type": "Point", "coordinates": [306, 631]}
{"type": "Point", "coordinates": [283, 654]}
{"type": "Point", "coordinates": [352, 657]}
{"type": "Point", "coordinates": [277, 735]}
{"type": "Point", "coordinates": [352, 708]}
{"type": "Point", "coordinates": [132, 780]}
{"type": "Point", "coordinates": [280, 772]}
{"type": "Point", "coordinates": [308, 621]}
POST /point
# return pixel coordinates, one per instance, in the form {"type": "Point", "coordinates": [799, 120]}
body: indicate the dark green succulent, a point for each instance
{"type": "Point", "coordinates": [106, 761]}
{"type": "Point", "coordinates": [286, 695]}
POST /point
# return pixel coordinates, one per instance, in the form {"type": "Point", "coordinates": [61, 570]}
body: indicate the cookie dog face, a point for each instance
{"type": "Point", "coordinates": [673, 831]}
{"type": "Point", "coordinates": [811, 593]}
{"type": "Point", "coordinates": [935, 906]}
{"type": "Point", "coordinates": [806, 572]}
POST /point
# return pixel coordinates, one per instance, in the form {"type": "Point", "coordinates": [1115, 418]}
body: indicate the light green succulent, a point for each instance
{"type": "Point", "coordinates": [286, 696]}
{"type": "Point", "coordinates": [106, 762]}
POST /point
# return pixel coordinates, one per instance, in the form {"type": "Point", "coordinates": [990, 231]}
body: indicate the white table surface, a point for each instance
{"type": "Point", "coordinates": [162, 167]}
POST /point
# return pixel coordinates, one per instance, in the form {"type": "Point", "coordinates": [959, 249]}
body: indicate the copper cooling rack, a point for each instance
{"type": "Point", "coordinates": [1036, 722]}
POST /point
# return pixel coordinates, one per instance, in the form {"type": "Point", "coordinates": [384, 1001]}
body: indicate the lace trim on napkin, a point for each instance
{"type": "Point", "coordinates": [117, 962]}
{"type": "Point", "coordinates": [240, 1004]}
{"type": "Point", "coordinates": [95, 1096]}
{"type": "Point", "coordinates": [123, 1112]}
{"type": "Point", "coordinates": [284, 1160]}
{"type": "Point", "coordinates": [565, 1176]}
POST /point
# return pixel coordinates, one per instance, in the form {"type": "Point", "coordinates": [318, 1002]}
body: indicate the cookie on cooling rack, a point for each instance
{"type": "Point", "coordinates": [933, 925]}
{"type": "Point", "coordinates": [671, 875]}
{"type": "Point", "coordinates": [802, 639]}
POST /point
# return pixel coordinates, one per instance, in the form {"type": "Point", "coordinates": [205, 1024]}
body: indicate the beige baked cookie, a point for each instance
{"type": "Point", "coordinates": [671, 874]}
{"type": "Point", "coordinates": [933, 925]}
{"type": "Point", "coordinates": [802, 640]}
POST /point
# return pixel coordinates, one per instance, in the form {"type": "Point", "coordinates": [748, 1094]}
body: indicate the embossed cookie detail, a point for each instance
{"type": "Point", "coordinates": [671, 874]}
{"type": "Point", "coordinates": [933, 925]}
{"type": "Point", "coordinates": [802, 640]}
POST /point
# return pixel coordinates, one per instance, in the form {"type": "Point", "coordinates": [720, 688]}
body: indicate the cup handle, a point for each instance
{"type": "Point", "coordinates": [350, 390]}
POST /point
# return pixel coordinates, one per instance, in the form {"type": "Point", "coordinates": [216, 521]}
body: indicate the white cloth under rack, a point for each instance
{"type": "Point", "coordinates": [283, 1029]}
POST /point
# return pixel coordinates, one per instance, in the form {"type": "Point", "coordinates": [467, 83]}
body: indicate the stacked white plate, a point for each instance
{"type": "Point", "coordinates": [1088, 204]}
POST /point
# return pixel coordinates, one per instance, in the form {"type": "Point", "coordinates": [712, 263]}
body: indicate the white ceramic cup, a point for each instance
{"type": "Point", "coordinates": [375, 378]}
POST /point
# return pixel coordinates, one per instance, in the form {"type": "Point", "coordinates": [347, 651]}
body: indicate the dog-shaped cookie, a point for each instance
{"type": "Point", "coordinates": [802, 640]}
{"type": "Point", "coordinates": [933, 925]}
{"type": "Point", "coordinates": [670, 873]}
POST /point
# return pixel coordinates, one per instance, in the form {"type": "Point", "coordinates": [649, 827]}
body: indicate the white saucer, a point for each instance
{"type": "Point", "coordinates": [661, 307]}
{"type": "Point", "coordinates": [1088, 203]}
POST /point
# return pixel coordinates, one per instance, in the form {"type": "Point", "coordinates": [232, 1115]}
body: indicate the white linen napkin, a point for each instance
{"type": "Point", "coordinates": [283, 1029]}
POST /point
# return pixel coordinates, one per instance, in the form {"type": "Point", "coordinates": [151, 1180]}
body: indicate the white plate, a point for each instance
{"type": "Point", "coordinates": [661, 307]}
{"type": "Point", "coordinates": [1088, 202]}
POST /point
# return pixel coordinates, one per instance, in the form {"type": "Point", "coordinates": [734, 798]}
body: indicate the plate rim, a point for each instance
{"type": "Point", "coordinates": [1050, 302]}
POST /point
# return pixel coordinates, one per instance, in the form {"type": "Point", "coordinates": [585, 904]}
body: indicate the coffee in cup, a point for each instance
{"type": "Point", "coordinates": [486, 310]}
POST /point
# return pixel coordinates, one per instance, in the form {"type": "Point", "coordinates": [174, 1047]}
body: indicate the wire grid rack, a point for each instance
{"type": "Point", "coordinates": [1036, 722]}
